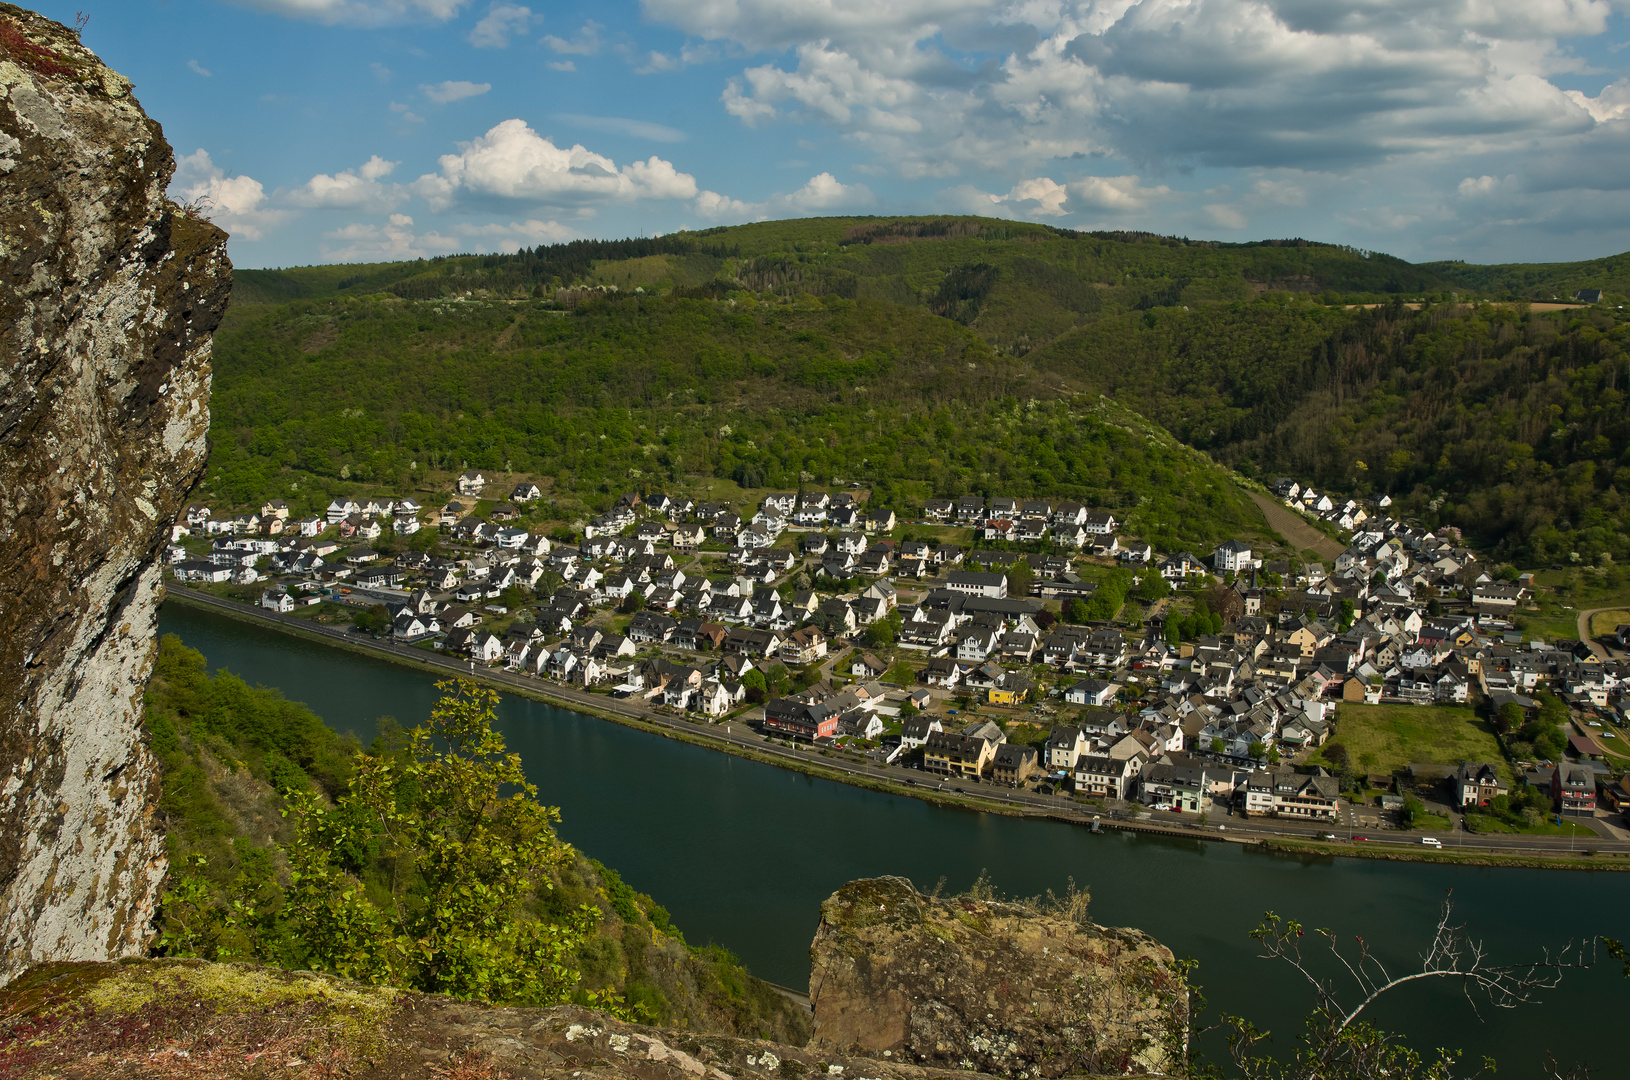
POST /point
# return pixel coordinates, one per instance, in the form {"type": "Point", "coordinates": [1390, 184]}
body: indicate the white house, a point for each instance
{"type": "Point", "coordinates": [1099, 522]}
{"type": "Point", "coordinates": [1234, 555]}
{"type": "Point", "coordinates": [976, 584]}
{"type": "Point", "coordinates": [278, 599]}
{"type": "Point", "coordinates": [486, 647]}
{"type": "Point", "coordinates": [1092, 692]}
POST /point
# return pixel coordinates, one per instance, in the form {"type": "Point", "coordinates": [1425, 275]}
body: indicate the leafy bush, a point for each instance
{"type": "Point", "coordinates": [427, 872]}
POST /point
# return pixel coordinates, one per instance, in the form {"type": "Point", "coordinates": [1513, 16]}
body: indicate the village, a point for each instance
{"type": "Point", "coordinates": [1005, 643]}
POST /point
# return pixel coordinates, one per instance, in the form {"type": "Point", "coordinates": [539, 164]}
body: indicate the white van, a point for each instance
{"type": "Point", "coordinates": [1431, 841]}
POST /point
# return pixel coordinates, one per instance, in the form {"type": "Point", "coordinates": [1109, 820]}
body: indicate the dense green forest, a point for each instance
{"type": "Point", "coordinates": [648, 391]}
{"type": "Point", "coordinates": [240, 763]}
{"type": "Point", "coordinates": [1541, 281]}
{"type": "Point", "coordinates": [1508, 423]}
{"type": "Point", "coordinates": [937, 356]}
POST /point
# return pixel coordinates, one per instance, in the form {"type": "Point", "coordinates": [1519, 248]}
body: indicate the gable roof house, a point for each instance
{"type": "Point", "coordinates": [803, 646]}
{"type": "Point", "coordinates": [1099, 522]}
{"type": "Point", "coordinates": [1064, 746]}
{"type": "Point", "coordinates": [1013, 764]}
{"type": "Point", "coordinates": [950, 753]}
{"type": "Point", "coordinates": [751, 642]}
{"type": "Point", "coordinates": [1477, 783]}
{"type": "Point", "coordinates": [1099, 776]}
{"type": "Point", "coordinates": [800, 719]}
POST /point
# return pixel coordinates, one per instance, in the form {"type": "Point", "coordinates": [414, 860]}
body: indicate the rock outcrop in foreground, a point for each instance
{"type": "Point", "coordinates": [995, 987]}
{"type": "Point", "coordinates": [186, 1018]}
{"type": "Point", "coordinates": [109, 301]}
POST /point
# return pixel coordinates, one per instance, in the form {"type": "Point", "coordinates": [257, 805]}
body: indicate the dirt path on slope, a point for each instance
{"type": "Point", "coordinates": [1289, 524]}
{"type": "Point", "coordinates": [1584, 630]}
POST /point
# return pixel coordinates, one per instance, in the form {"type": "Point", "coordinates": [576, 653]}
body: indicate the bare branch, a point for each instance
{"type": "Point", "coordinates": [1338, 1044]}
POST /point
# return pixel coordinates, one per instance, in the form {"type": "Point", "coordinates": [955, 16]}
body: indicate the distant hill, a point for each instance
{"type": "Point", "coordinates": [1016, 284]}
{"type": "Point", "coordinates": [1542, 281]}
{"type": "Point", "coordinates": [934, 355]}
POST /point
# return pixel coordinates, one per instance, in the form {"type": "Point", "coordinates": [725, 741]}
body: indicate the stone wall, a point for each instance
{"type": "Point", "coordinates": [110, 297]}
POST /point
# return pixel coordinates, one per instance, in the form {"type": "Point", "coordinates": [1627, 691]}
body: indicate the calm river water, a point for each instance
{"type": "Point", "coordinates": [743, 854]}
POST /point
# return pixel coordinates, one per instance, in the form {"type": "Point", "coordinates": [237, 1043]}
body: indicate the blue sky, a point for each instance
{"type": "Point", "coordinates": [363, 130]}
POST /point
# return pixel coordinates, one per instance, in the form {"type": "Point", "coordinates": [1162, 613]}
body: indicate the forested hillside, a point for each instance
{"type": "Point", "coordinates": [1018, 283]}
{"type": "Point", "coordinates": [1541, 281]}
{"type": "Point", "coordinates": [933, 356]}
{"type": "Point", "coordinates": [1508, 423]}
{"type": "Point", "coordinates": [651, 391]}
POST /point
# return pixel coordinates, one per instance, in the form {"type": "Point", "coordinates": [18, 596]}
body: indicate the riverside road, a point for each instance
{"type": "Point", "coordinates": [737, 736]}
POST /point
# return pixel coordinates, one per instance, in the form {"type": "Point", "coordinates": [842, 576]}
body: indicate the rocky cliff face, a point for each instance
{"type": "Point", "coordinates": [1015, 990]}
{"type": "Point", "coordinates": [109, 301]}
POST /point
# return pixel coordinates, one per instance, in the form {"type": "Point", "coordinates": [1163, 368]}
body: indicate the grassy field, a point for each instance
{"type": "Point", "coordinates": [1605, 623]}
{"type": "Point", "coordinates": [1560, 623]}
{"type": "Point", "coordinates": [1381, 738]}
{"type": "Point", "coordinates": [1485, 823]}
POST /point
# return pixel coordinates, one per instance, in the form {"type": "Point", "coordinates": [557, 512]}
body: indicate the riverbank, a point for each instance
{"type": "Point", "coordinates": [1525, 852]}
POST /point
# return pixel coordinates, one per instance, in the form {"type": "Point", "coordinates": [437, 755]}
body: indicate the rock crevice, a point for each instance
{"type": "Point", "coordinates": [111, 295]}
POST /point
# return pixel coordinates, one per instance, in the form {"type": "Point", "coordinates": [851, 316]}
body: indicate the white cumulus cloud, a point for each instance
{"type": "Point", "coordinates": [824, 192]}
{"type": "Point", "coordinates": [716, 207]}
{"type": "Point", "coordinates": [352, 189]}
{"type": "Point", "coordinates": [821, 193]}
{"type": "Point", "coordinates": [512, 161]}
{"type": "Point", "coordinates": [237, 204]}
{"type": "Point", "coordinates": [1475, 186]}
{"type": "Point", "coordinates": [395, 240]}
{"type": "Point", "coordinates": [1613, 103]}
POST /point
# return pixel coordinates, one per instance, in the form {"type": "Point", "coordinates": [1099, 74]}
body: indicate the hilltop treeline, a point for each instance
{"type": "Point", "coordinates": [900, 261]}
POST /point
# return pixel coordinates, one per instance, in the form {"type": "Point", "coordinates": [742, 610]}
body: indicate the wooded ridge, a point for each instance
{"type": "Point", "coordinates": [934, 356]}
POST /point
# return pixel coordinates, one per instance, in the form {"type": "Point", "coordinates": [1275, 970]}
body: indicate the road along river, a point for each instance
{"type": "Point", "coordinates": [743, 853]}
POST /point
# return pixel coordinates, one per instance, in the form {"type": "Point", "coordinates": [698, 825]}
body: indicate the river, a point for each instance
{"type": "Point", "coordinates": [743, 854]}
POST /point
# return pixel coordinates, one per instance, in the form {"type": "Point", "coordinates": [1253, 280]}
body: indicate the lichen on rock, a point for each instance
{"type": "Point", "coordinates": [1006, 988]}
{"type": "Point", "coordinates": [111, 296]}
{"type": "Point", "coordinates": [181, 1018]}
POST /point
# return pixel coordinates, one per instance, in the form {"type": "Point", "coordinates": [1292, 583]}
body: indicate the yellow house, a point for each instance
{"type": "Point", "coordinates": [951, 754]}
{"type": "Point", "coordinates": [1309, 638]}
